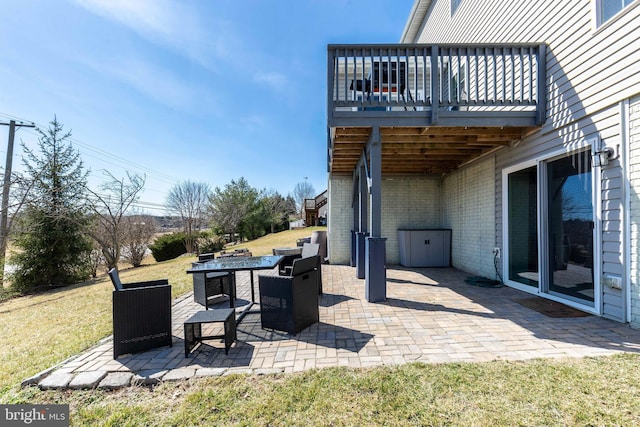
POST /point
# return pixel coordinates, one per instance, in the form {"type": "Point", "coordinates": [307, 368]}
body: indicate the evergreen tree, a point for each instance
{"type": "Point", "coordinates": [53, 246]}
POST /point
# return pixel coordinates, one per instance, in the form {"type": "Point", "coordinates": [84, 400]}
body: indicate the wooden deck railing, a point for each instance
{"type": "Point", "coordinates": [434, 78]}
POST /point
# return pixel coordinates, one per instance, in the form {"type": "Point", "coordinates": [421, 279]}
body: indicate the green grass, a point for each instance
{"type": "Point", "coordinates": [42, 330]}
{"type": "Point", "coordinates": [571, 392]}
{"type": "Point", "coordinates": [39, 331]}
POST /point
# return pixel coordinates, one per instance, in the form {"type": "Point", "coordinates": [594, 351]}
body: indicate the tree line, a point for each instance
{"type": "Point", "coordinates": [63, 232]}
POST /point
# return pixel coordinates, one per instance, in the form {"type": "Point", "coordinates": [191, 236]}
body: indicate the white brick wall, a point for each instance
{"type": "Point", "coordinates": [634, 197]}
{"type": "Point", "coordinates": [406, 203]}
{"type": "Point", "coordinates": [468, 200]}
{"type": "Point", "coordinates": [339, 219]}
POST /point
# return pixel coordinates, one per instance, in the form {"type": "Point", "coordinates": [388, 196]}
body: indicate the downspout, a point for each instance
{"type": "Point", "coordinates": [626, 220]}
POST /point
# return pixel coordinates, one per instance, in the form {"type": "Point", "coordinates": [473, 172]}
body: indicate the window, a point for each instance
{"type": "Point", "coordinates": [454, 6]}
{"type": "Point", "coordinates": [607, 9]}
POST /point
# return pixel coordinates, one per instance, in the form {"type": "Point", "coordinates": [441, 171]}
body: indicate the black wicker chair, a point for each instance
{"type": "Point", "coordinates": [308, 250]}
{"type": "Point", "coordinates": [290, 303]}
{"type": "Point", "coordinates": [141, 315]}
{"type": "Point", "coordinates": [207, 286]}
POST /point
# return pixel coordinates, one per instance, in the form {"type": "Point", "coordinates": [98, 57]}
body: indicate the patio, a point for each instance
{"type": "Point", "coordinates": [430, 316]}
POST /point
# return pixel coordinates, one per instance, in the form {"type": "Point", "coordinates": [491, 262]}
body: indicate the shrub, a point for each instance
{"type": "Point", "coordinates": [208, 242]}
{"type": "Point", "coordinates": [168, 246]}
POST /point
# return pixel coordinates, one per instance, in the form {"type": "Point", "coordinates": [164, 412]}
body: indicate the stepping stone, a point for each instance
{"type": "Point", "coordinates": [55, 381]}
{"type": "Point", "coordinates": [210, 372]}
{"type": "Point", "coordinates": [85, 380]}
{"type": "Point", "coordinates": [148, 377]}
{"type": "Point", "coordinates": [179, 374]}
{"type": "Point", "coordinates": [116, 380]}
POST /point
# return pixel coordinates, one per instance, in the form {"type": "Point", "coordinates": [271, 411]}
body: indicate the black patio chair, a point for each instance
{"type": "Point", "coordinates": [208, 286]}
{"type": "Point", "coordinates": [308, 250]}
{"type": "Point", "coordinates": [141, 315]}
{"type": "Point", "coordinates": [290, 303]}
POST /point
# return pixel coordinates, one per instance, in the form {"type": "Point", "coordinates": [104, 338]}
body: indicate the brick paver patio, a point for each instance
{"type": "Point", "coordinates": [431, 316]}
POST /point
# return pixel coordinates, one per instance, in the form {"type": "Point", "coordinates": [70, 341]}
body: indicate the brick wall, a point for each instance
{"type": "Point", "coordinates": [468, 208]}
{"type": "Point", "coordinates": [634, 198]}
{"type": "Point", "coordinates": [406, 203]}
{"type": "Point", "coordinates": [339, 219]}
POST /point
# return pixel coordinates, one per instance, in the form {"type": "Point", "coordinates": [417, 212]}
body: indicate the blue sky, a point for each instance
{"type": "Point", "coordinates": [207, 91]}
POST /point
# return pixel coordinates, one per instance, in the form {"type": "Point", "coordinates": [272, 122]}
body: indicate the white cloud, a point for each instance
{"type": "Point", "coordinates": [153, 82]}
{"type": "Point", "coordinates": [254, 122]}
{"type": "Point", "coordinates": [171, 24]}
{"type": "Point", "coordinates": [277, 81]}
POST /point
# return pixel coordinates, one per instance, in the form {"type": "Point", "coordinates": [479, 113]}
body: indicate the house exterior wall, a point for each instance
{"type": "Point", "coordinates": [590, 72]}
{"type": "Point", "coordinates": [468, 209]}
{"type": "Point", "coordinates": [408, 203]}
{"type": "Point", "coordinates": [339, 219]}
{"type": "Point", "coordinates": [634, 208]}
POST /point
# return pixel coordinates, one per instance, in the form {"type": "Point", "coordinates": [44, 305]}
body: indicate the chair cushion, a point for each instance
{"type": "Point", "coordinates": [310, 249]}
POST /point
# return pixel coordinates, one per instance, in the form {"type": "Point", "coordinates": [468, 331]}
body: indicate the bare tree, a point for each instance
{"type": "Point", "coordinates": [138, 232]}
{"type": "Point", "coordinates": [109, 209]}
{"type": "Point", "coordinates": [303, 190]}
{"type": "Point", "coordinates": [189, 200]}
{"type": "Point", "coordinates": [96, 259]}
{"type": "Point", "coordinates": [277, 208]}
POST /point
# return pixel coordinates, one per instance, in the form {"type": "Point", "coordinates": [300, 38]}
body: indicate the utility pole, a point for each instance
{"type": "Point", "coordinates": [6, 186]}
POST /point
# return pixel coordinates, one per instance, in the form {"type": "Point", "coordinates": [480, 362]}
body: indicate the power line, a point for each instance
{"type": "Point", "coordinates": [107, 156]}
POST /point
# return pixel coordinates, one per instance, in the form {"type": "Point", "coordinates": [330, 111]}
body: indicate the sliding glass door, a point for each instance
{"type": "Point", "coordinates": [549, 231]}
{"type": "Point", "coordinates": [570, 227]}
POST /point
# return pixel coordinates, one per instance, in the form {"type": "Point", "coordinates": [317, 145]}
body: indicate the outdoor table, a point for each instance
{"type": "Point", "coordinates": [232, 264]}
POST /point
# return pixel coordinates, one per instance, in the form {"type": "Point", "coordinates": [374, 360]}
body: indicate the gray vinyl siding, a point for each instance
{"type": "Point", "coordinates": [589, 72]}
{"type": "Point", "coordinates": [594, 64]}
{"type": "Point", "coordinates": [540, 146]}
{"type": "Point", "coordinates": [612, 199]}
{"type": "Point", "coordinates": [634, 208]}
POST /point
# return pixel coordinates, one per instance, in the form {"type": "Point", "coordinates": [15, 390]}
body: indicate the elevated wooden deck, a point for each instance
{"type": "Point", "coordinates": [437, 107]}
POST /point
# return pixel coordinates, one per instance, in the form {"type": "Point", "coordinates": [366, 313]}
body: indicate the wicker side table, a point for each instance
{"type": "Point", "coordinates": [193, 328]}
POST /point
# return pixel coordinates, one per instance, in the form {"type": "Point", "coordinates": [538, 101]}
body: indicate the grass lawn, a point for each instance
{"type": "Point", "coordinates": [40, 331]}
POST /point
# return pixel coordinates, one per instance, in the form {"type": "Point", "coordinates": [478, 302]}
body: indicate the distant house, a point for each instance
{"type": "Point", "coordinates": [516, 125]}
{"type": "Point", "coordinates": [315, 210]}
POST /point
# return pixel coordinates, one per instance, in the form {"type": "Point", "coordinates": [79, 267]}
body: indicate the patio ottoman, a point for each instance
{"type": "Point", "coordinates": [193, 328]}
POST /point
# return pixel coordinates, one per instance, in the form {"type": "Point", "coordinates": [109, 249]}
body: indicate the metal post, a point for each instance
{"type": "Point", "coordinates": [5, 189]}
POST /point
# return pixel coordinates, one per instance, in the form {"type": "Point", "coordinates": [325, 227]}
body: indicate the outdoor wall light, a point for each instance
{"type": "Point", "coordinates": [601, 158]}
